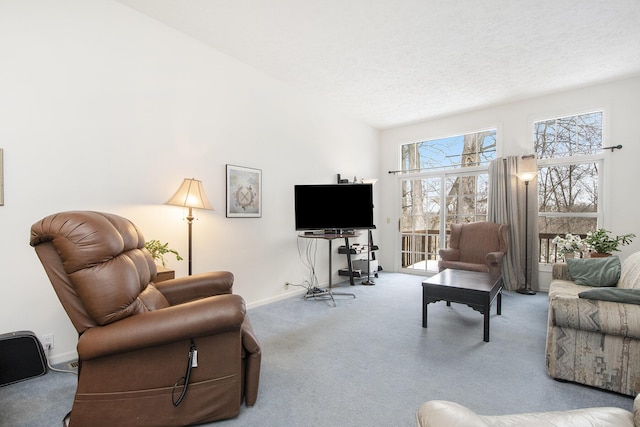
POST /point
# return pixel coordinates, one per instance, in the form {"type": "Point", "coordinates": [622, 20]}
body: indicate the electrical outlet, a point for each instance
{"type": "Point", "coordinates": [47, 341]}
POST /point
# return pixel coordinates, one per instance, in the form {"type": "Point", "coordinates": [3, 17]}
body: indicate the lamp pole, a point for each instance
{"type": "Point", "coordinates": [190, 219]}
{"type": "Point", "coordinates": [526, 289]}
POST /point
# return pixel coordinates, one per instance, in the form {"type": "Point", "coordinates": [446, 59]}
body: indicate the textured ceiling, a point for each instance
{"type": "Point", "coordinates": [393, 62]}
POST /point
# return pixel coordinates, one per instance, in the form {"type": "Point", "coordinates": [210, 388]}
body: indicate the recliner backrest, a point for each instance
{"type": "Point", "coordinates": [100, 269]}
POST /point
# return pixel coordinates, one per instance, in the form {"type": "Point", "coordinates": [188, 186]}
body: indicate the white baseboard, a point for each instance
{"type": "Point", "coordinates": [57, 358]}
{"type": "Point", "coordinates": [277, 298]}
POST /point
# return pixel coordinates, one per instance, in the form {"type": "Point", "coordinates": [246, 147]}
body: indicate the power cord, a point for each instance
{"type": "Point", "coordinates": [67, 418]}
{"type": "Point", "coordinates": [308, 258]}
{"type": "Point", "coordinates": [192, 363]}
{"type": "Point", "coordinates": [64, 371]}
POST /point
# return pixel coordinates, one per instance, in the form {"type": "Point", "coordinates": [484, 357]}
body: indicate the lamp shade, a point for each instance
{"type": "Point", "coordinates": [191, 195]}
{"type": "Point", "coordinates": [526, 176]}
{"type": "Point", "coordinates": [527, 168]}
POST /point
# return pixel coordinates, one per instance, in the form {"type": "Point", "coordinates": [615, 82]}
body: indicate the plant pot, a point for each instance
{"type": "Point", "coordinates": [598, 255]}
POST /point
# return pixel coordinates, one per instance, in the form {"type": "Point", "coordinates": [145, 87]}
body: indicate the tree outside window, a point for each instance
{"type": "Point", "coordinates": [447, 183]}
{"type": "Point", "coordinates": [570, 162]}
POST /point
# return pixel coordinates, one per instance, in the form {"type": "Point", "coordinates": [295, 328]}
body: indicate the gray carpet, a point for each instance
{"type": "Point", "coordinates": [368, 362]}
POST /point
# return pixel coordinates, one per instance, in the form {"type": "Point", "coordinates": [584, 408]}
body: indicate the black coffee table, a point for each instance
{"type": "Point", "coordinates": [476, 289]}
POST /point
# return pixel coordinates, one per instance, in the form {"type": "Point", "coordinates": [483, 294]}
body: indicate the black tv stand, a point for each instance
{"type": "Point", "coordinates": [357, 249]}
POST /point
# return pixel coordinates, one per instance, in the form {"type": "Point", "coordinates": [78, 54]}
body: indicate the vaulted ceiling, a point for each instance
{"type": "Point", "coordinates": [393, 62]}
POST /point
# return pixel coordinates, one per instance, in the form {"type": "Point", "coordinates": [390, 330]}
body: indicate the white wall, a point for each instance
{"type": "Point", "coordinates": [104, 109]}
{"type": "Point", "coordinates": [621, 102]}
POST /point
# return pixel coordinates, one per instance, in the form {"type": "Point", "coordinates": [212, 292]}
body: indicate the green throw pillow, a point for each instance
{"type": "Point", "coordinates": [595, 271]}
{"type": "Point", "coordinates": [629, 296]}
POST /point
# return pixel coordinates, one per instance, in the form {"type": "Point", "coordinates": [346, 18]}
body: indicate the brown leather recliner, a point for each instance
{"type": "Point", "coordinates": [136, 336]}
{"type": "Point", "coordinates": [476, 246]}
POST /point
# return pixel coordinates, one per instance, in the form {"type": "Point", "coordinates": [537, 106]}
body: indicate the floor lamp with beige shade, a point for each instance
{"type": "Point", "coordinates": [190, 195]}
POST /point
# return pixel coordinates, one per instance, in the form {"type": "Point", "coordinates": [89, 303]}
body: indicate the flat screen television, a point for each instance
{"type": "Point", "coordinates": [335, 207]}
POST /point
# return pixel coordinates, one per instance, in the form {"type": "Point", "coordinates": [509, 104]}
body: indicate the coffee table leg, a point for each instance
{"type": "Point", "coordinates": [424, 308]}
{"type": "Point", "coordinates": [499, 305]}
{"type": "Point", "coordinates": [486, 323]}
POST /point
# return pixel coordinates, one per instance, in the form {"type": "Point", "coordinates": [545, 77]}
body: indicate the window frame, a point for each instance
{"type": "Point", "coordinates": [442, 172]}
{"type": "Point", "coordinates": [602, 159]}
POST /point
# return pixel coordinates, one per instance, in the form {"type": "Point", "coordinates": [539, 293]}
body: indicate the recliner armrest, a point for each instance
{"type": "Point", "coordinates": [189, 288]}
{"type": "Point", "coordinates": [199, 318]}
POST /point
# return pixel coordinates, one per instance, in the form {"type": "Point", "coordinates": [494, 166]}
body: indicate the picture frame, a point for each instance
{"type": "Point", "coordinates": [244, 192]}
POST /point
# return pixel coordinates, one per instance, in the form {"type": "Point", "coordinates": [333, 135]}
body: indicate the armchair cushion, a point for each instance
{"type": "Point", "coordinates": [595, 271]}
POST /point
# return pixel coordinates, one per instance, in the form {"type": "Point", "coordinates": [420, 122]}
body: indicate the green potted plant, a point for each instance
{"type": "Point", "coordinates": [158, 250]}
{"type": "Point", "coordinates": [603, 244]}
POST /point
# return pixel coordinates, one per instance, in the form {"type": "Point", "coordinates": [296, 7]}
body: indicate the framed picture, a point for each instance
{"type": "Point", "coordinates": [244, 192]}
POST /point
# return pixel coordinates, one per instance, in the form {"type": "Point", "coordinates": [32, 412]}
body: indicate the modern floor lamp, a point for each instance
{"type": "Point", "coordinates": [190, 195]}
{"type": "Point", "coordinates": [527, 173]}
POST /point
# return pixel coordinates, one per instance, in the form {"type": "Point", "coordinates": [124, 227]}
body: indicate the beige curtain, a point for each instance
{"type": "Point", "coordinates": [507, 206]}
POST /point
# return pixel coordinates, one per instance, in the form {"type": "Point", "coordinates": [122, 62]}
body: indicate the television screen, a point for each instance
{"type": "Point", "coordinates": [334, 206]}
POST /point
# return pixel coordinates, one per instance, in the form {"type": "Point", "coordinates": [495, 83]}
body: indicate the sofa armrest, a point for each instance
{"type": "Point", "coordinates": [439, 413]}
{"type": "Point", "coordinates": [199, 318]}
{"type": "Point", "coordinates": [189, 288]}
{"type": "Point", "coordinates": [560, 271]}
{"type": "Point", "coordinates": [449, 254]}
{"type": "Point", "coordinates": [612, 318]}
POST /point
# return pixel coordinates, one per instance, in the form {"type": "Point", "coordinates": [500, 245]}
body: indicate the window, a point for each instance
{"type": "Point", "coordinates": [447, 182]}
{"type": "Point", "coordinates": [570, 164]}
{"type": "Point", "coordinates": [471, 149]}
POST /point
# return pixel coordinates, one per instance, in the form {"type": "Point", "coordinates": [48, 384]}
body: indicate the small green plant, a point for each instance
{"type": "Point", "coordinates": [603, 243]}
{"type": "Point", "coordinates": [158, 250]}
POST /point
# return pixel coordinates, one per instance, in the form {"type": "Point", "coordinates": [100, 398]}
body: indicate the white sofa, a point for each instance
{"type": "Point", "coordinates": [441, 413]}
